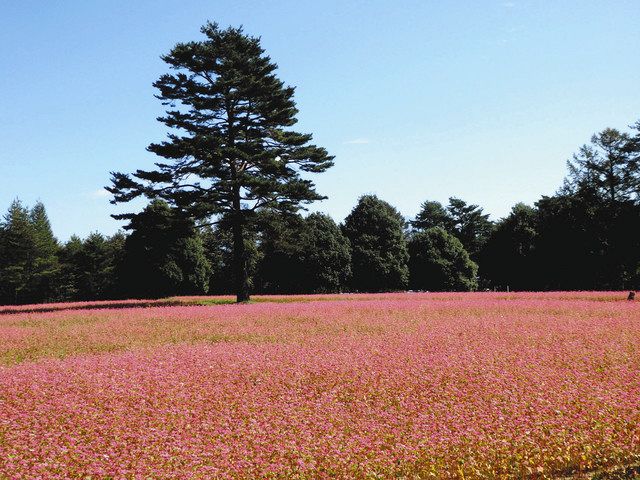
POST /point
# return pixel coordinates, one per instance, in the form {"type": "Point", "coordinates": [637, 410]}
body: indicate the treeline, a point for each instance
{"type": "Point", "coordinates": [583, 237]}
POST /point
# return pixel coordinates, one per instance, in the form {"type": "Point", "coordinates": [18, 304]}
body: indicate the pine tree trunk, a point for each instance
{"type": "Point", "coordinates": [241, 274]}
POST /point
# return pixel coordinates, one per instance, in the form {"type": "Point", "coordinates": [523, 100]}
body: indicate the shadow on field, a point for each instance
{"type": "Point", "coordinates": [616, 473]}
{"type": "Point", "coordinates": [112, 305]}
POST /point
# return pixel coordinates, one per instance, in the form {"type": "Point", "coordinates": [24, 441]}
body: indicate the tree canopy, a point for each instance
{"type": "Point", "coordinates": [378, 246]}
{"type": "Point", "coordinates": [303, 255]}
{"type": "Point", "coordinates": [163, 255]}
{"type": "Point", "coordinates": [606, 168]}
{"type": "Point", "coordinates": [231, 151]}
{"type": "Point", "coordinates": [508, 259]}
{"type": "Point", "coordinates": [28, 262]}
{"type": "Point", "coordinates": [466, 222]}
{"type": "Point", "coordinates": [439, 262]}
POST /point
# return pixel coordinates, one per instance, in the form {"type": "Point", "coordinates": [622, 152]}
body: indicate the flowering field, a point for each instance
{"type": "Point", "coordinates": [224, 299]}
{"type": "Point", "coordinates": [482, 385]}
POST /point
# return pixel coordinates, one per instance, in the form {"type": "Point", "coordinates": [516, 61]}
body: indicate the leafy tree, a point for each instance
{"type": "Point", "coordinates": [28, 261]}
{"type": "Point", "coordinates": [326, 255]}
{"type": "Point", "coordinates": [466, 222]}
{"type": "Point", "coordinates": [69, 282]}
{"type": "Point", "coordinates": [432, 214]}
{"type": "Point", "coordinates": [586, 243]}
{"type": "Point", "coordinates": [439, 262]}
{"type": "Point", "coordinates": [232, 152]}
{"type": "Point", "coordinates": [45, 243]}
{"type": "Point", "coordinates": [587, 234]}
{"type": "Point", "coordinates": [469, 225]}
{"type": "Point", "coordinates": [378, 248]}
{"type": "Point", "coordinates": [564, 252]}
{"type": "Point", "coordinates": [303, 255]}
{"type": "Point", "coordinates": [218, 248]}
{"type": "Point", "coordinates": [280, 268]}
{"type": "Point", "coordinates": [163, 255]}
{"type": "Point", "coordinates": [90, 266]}
{"type": "Point", "coordinates": [509, 256]}
{"type": "Point", "coordinates": [218, 245]}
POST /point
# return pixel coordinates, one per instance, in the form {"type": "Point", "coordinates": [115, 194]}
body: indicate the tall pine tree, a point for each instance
{"type": "Point", "coordinates": [232, 151]}
{"type": "Point", "coordinates": [17, 253]}
{"type": "Point", "coordinates": [45, 267]}
{"type": "Point", "coordinates": [606, 168]}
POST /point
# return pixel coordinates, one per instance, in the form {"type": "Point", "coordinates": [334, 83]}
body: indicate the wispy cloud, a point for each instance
{"type": "Point", "coordinates": [100, 193]}
{"type": "Point", "coordinates": [357, 141]}
{"type": "Point", "coordinates": [508, 4]}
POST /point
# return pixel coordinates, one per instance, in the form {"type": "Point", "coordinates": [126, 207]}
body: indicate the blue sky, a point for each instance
{"type": "Point", "coordinates": [485, 100]}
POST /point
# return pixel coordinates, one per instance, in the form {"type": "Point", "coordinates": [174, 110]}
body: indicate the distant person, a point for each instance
{"type": "Point", "coordinates": [632, 296]}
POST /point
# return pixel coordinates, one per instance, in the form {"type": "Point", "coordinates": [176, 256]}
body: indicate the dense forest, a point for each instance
{"type": "Point", "coordinates": [586, 236]}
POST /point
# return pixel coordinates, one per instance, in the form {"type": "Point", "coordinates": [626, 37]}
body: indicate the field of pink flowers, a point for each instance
{"type": "Point", "coordinates": [483, 385]}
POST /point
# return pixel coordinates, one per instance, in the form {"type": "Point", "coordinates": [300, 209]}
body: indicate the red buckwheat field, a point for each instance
{"type": "Point", "coordinates": [473, 385]}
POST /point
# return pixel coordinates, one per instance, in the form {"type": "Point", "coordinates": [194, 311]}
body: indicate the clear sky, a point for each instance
{"type": "Point", "coordinates": [417, 99]}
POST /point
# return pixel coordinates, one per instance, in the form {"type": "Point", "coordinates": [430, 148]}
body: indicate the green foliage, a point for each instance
{"type": "Point", "coordinates": [218, 247]}
{"type": "Point", "coordinates": [432, 214]}
{"type": "Point", "coordinates": [326, 255]}
{"type": "Point", "coordinates": [378, 246]}
{"type": "Point", "coordinates": [302, 255]}
{"type": "Point", "coordinates": [583, 237]}
{"type": "Point", "coordinates": [587, 232]}
{"type": "Point", "coordinates": [469, 225]}
{"type": "Point", "coordinates": [90, 267]}
{"type": "Point", "coordinates": [607, 168]}
{"type": "Point", "coordinates": [28, 263]}
{"type": "Point", "coordinates": [231, 151]}
{"type": "Point", "coordinates": [439, 262]}
{"type": "Point", "coordinates": [163, 255]}
{"type": "Point", "coordinates": [508, 258]}
{"type": "Point", "coordinates": [280, 269]}
{"type": "Point", "coordinates": [18, 250]}
{"type": "Point", "coordinates": [466, 222]}
{"type": "Point", "coordinates": [586, 243]}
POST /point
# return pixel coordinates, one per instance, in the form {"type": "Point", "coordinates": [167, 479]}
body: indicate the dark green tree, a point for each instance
{"type": "Point", "coordinates": [585, 242]}
{"type": "Point", "coordinates": [432, 214]}
{"type": "Point", "coordinates": [571, 243]}
{"type": "Point", "coordinates": [90, 266]}
{"type": "Point", "coordinates": [303, 255]}
{"type": "Point", "coordinates": [606, 168]}
{"type": "Point", "coordinates": [218, 245]}
{"type": "Point", "coordinates": [439, 262]}
{"type": "Point", "coordinates": [587, 236]}
{"type": "Point", "coordinates": [29, 266]}
{"type": "Point", "coordinates": [509, 256]}
{"type": "Point", "coordinates": [17, 253]}
{"type": "Point", "coordinates": [280, 266]}
{"type": "Point", "coordinates": [378, 247]}
{"type": "Point", "coordinates": [45, 269]}
{"type": "Point", "coordinates": [466, 222]}
{"type": "Point", "coordinates": [469, 225]}
{"type": "Point", "coordinates": [232, 151]}
{"type": "Point", "coordinates": [218, 248]}
{"type": "Point", "coordinates": [69, 282]}
{"type": "Point", "coordinates": [326, 255]}
{"type": "Point", "coordinates": [163, 255]}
